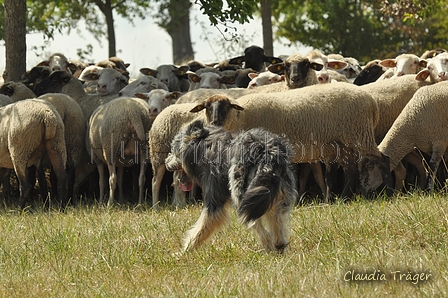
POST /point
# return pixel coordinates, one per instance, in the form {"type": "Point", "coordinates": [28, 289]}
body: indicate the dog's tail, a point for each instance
{"type": "Point", "coordinates": [260, 194]}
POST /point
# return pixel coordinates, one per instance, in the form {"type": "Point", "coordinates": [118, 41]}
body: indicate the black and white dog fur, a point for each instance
{"type": "Point", "coordinates": [251, 169]}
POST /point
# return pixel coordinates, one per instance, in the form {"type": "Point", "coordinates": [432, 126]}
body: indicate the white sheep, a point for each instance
{"type": "Point", "coordinates": [423, 125]}
{"type": "Point", "coordinates": [344, 134]}
{"type": "Point", "coordinates": [402, 65]}
{"type": "Point", "coordinates": [353, 68]}
{"type": "Point", "coordinates": [17, 91]}
{"type": "Point", "coordinates": [158, 99]}
{"type": "Point", "coordinates": [108, 81]}
{"type": "Point", "coordinates": [117, 138]}
{"type": "Point", "coordinates": [57, 61]}
{"type": "Point", "coordinates": [263, 78]}
{"type": "Point", "coordinates": [317, 56]}
{"type": "Point", "coordinates": [143, 84]}
{"type": "Point", "coordinates": [29, 128]}
{"type": "Point", "coordinates": [209, 78]}
{"type": "Point", "coordinates": [174, 77]}
{"type": "Point", "coordinates": [436, 69]}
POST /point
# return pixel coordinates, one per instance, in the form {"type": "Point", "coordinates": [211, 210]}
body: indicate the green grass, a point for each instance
{"type": "Point", "coordinates": [123, 252]}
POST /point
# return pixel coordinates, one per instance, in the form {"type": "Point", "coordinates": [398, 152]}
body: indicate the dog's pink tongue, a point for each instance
{"type": "Point", "coordinates": [186, 186]}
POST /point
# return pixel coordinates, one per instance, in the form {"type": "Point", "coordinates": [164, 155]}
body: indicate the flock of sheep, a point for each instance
{"type": "Point", "coordinates": [357, 130]}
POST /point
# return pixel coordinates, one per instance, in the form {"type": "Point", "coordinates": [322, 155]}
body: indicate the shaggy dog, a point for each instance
{"type": "Point", "coordinates": [252, 170]}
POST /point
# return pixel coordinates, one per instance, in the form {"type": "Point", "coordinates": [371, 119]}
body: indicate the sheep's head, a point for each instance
{"type": "Point", "coordinates": [54, 83]}
{"type": "Point", "coordinates": [436, 69]}
{"type": "Point", "coordinates": [158, 99]}
{"type": "Point", "coordinates": [296, 70]}
{"type": "Point", "coordinates": [217, 108]}
{"type": "Point", "coordinates": [34, 76]}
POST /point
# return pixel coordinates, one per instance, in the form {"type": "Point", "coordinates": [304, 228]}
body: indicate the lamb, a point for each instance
{"type": "Point", "coordinates": [339, 104]}
{"type": "Point", "coordinates": [254, 58]}
{"type": "Point", "coordinates": [413, 130]}
{"type": "Point", "coordinates": [108, 81]}
{"type": "Point", "coordinates": [209, 78]}
{"type": "Point", "coordinates": [36, 122]}
{"type": "Point", "coordinates": [143, 84]}
{"type": "Point", "coordinates": [158, 99]}
{"type": "Point", "coordinates": [172, 76]}
{"type": "Point", "coordinates": [116, 134]}
{"type": "Point", "coordinates": [264, 78]}
{"type": "Point", "coordinates": [436, 69]}
{"type": "Point", "coordinates": [402, 65]}
{"type": "Point", "coordinates": [242, 78]}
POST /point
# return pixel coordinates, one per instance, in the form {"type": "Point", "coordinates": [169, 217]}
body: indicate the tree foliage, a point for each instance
{"type": "Point", "coordinates": [357, 28]}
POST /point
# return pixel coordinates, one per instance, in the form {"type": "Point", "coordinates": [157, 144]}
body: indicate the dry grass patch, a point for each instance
{"type": "Point", "coordinates": [122, 252]}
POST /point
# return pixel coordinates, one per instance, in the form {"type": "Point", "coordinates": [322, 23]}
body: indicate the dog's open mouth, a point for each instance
{"type": "Point", "coordinates": [185, 182]}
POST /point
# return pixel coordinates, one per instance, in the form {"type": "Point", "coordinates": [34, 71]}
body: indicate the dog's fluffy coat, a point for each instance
{"type": "Point", "coordinates": [252, 170]}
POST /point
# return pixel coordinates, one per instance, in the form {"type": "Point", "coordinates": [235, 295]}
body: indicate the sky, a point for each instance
{"type": "Point", "coordinates": [144, 44]}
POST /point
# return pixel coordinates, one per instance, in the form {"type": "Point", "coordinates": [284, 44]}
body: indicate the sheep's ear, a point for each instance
{"type": "Point", "coordinates": [227, 80]}
{"type": "Point", "coordinates": [194, 77]}
{"type": "Point", "coordinates": [422, 75]}
{"type": "Point", "coordinates": [272, 60]}
{"type": "Point", "coordinates": [423, 63]}
{"type": "Point", "coordinates": [316, 66]}
{"type": "Point", "coordinates": [90, 76]}
{"type": "Point", "coordinates": [197, 108]}
{"type": "Point", "coordinates": [127, 65]}
{"type": "Point", "coordinates": [237, 107]}
{"type": "Point", "coordinates": [389, 63]}
{"type": "Point", "coordinates": [336, 64]}
{"type": "Point", "coordinates": [252, 75]}
{"type": "Point", "coordinates": [180, 71]}
{"type": "Point", "coordinates": [174, 95]}
{"type": "Point", "coordinates": [148, 72]}
{"type": "Point", "coordinates": [141, 95]}
{"type": "Point", "coordinates": [278, 68]}
{"type": "Point", "coordinates": [237, 60]}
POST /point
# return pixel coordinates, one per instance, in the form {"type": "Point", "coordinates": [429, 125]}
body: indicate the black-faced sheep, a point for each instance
{"type": "Point", "coordinates": [254, 58]}
{"type": "Point", "coordinates": [370, 73]}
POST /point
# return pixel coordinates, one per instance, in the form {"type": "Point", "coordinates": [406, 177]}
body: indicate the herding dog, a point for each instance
{"type": "Point", "coordinates": [252, 170]}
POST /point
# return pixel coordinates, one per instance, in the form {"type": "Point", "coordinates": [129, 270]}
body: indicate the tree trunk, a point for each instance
{"type": "Point", "coordinates": [15, 39]}
{"type": "Point", "coordinates": [107, 10]}
{"type": "Point", "coordinates": [179, 30]}
{"type": "Point", "coordinates": [266, 23]}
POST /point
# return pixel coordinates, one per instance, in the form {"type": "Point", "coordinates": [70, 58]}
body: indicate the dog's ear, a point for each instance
{"type": "Point", "coordinates": [197, 108]}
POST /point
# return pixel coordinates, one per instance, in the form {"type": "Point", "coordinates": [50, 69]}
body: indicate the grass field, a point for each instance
{"type": "Point", "coordinates": [123, 252]}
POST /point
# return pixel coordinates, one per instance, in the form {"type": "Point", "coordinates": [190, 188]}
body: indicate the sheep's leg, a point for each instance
{"type": "Point", "coordinates": [213, 216]}
{"type": "Point", "coordinates": [112, 183]}
{"type": "Point", "coordinates": [416, 161]}
{"type": "Point", "coordinates": [71, 179]}
{"type": "Point", "coordinates": [58, 165]}
{"type": "Point", "coordinates": [141, 180]}
{"type": "Point", "coordinates": [319, 177]}
{"type": "Point", "coordinates": [400, 176]}
{"type": "Point", "coordinates": [82, 171]}
{"type": "Point", "coordinates": [24, 184]}
{"type": "Point", "coordinates": [437, 152]}
{"type": "Point", "coordinates": [120, 184]}
{"type": "Point", "coordinates": [305, 170]}
{"type": "Point", "coordinates": [329, 169]}
{"type": "Point", "coordinates": [159, 171]}
{"type": "Point", "coordinates": [102, 180]}
{"type": "Point", "coordinates": [5, 174]}
{"type": "Point", "coordinates": [350, 173]}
